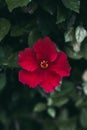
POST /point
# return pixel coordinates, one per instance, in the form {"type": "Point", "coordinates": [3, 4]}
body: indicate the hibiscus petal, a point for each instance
{"type": "Point", "coordinates": [45, 49]}
{"type": "Point", "coordinates": [61, 65]}
{"type": "Point", "coordinates": [27, 60]}
{"type": "Point", "coordinates": [32, 79]}
{"type": "Point", "coordinates": [50, 81]}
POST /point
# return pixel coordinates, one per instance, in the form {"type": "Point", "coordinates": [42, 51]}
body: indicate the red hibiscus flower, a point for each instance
{"type": "Point", "coordinates": [43, 65]}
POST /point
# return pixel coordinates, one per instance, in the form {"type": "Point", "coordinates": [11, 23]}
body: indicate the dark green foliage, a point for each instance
{"type": "Point", "coordinates": [22, 22]}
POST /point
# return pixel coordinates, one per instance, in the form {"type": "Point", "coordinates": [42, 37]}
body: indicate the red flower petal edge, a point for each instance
{"type": "Point", "coordinates": [42, 65]}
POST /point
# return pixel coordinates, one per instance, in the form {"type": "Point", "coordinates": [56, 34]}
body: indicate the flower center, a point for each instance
{"type": "Point", "coordinates": [44, 64]}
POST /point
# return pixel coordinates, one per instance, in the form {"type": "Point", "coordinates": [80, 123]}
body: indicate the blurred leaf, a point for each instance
{"type": "Point", "coordinates": [2, 53]}
{"type": "Point", "coordinates": [2, 80]}
{"type": "Point", "coordinates": [68, 123]}
{"type": "Point", "coordinates": [84, 49]}
{"type": "Point", "coordinates": [67, 126]}
{"type": "Point", "coordinates": [49, 101]}
{"type": "Point", "coordinates": [2, 4]}
{"type": "Point", "coordinates": [51, 112]}
{"type": "Point", "coordinates": [4, 27]}
{"type": "Point", "coordinates": [83, 117]}
{"type": "Point", "coordinates": [63, 116]}
{"type": "Point", "coordinates": [39, 107]}
{"type": "Point", "coordinates": [12, 4]}
{"type": "Point", "coordinates": [79, 102]}
{"type": "Point", "coordinates": [72, 5]}
{"type": "Point", "coordinates": [80, 34]}
{"type": "Point", "coordinates": [69, 35]}
{"type": "Point", "coordinates": [17, 31]}
{"type": "Point", "coordinates": [12, 60]}
{"type": "Point", "coordinates": [49, 6]}
{"type": "Point", "coordinates": [7, 57]}
{"type": "Point", "coordinates": [60, 101]}
{"type": "Point", "coordinates": [33, 36]}
{"type": "Point", "coordinates": [61, 15]}
{"type": "Point", "coordinates": [67, 88]}
{"type": "Point", "coordinates": [49, 124]}
{"type": "Point", "coordinates": [58, 88]}
{"type": "Point", "coordinates": [72, 54]}
{"type": "Point", "coordinates": [85, 87]}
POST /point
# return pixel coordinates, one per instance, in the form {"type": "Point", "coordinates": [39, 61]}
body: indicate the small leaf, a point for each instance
{"type": "Point", "coordinates": [72, 5]}
{"type": "Point", "coordinates": [12, 4]}
{"type": "Point", "coordinates": [69, 35]}
{"type": "Point", "coordinates": [49, 101]}
{"type": "Point", "coordinates": [80, 34]}
{"type": "Point", "coordinates": [2, 80]}
{"type": "Point", "coordinates": [51, 112]}
{"type": "Point", "coordinates": [58, 88]}
{"type": "Point", "coordinates": [40, 107]}
{"type": "Point", "coordinates": [4, 27]}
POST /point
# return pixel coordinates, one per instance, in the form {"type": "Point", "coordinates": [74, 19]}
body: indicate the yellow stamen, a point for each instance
{"type": "Point", "coordinates": [44, 64]}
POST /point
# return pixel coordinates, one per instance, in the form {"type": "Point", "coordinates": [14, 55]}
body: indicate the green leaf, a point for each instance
{"type": "Point", "coordinates": [33, 36]}
{"type": "Point", "coordinates": [49, 101]}
{"type": "Point", "coordinates": [49, 124]}
{"type": "Point", "coordinates": [80, 34]}
{"type": "Point", "coordinates": [83, 117]}
{"type": "Point", "coordinates": [72, 54]}
{"type": "Point", "coordinates": [51, 112]}
{"type": "Point", "coordinates": [2, 80]}
{"type": "Point", "coordinates": [11, 61]}
{"type": "Point", "coordinates": [63, 115]}
{"type": "Point", "coordinates": [67, 88]}
{"type": "Point", "coordinates": [72, 5]}
{"type": "Point", "coordinates": [39, 107]}
{"type": "Point", "coordinates": [61, 15]}
{"type": "Point", "coordinates": [17, 31]}
{"type": "Point", "coordinates": [49, 6]}
{"type": "Point", "coordinates": [85, 87]}
{"type": "Point", "coordinates": [7, 57]}
{"type": "Point", "coordinates": [67, 126]}
{"type": "Point", "coordinates": [84, 49]}
{"type": "Point", "coordinates": [2, 53]}
{"type": "Point", "coordinates": [69, 35]}
{"type": "Point", "coordinates": [60, 101]}
{"type": "Point", "coordinates": [4, 28]}
{"type": "Point", "coordinates": [12, 4]}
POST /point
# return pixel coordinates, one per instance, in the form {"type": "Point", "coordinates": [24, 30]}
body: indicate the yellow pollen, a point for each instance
{"type": "Point", "coordinates": [44, 64]}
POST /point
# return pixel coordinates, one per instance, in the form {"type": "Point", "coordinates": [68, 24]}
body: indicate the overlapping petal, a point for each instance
{"type": "Point", "coordinates": [61, 65]}
{"type": "Point", "coordinates": [27, 60]}
{"type": "Point", "coordinates": [45, 49]}
{"type": "Point", "coordinates": [50, 81]}
{"type": "Point", "coordinates": [32, 79]}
